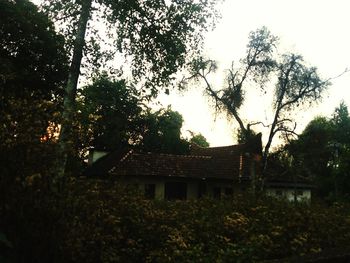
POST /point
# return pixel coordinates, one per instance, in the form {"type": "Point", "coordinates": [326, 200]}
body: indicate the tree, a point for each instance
{"type": "Point", "coordinates": [109, 114]}
{"type": "Point", "coordinates": [322, 153]}
{"type": "Point", "coordinates": [294, 84]}
{"type": "Point", "coordinates": [33, 68]}
{"type": "Point", "coordinates": [162, 133]}
{"type": "Point", "coordinates": [200, 140]}
{"type": "Point", "coordinates": [157, 35]}
{"type": "Point", "coordinates": [112, 115]}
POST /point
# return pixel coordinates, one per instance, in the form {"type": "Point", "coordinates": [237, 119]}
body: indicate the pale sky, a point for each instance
{"type": "Point", "coordinates": [317, 29]}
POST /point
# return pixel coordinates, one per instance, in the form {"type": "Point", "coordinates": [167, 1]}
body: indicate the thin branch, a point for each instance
{"type": "Point", "coordinates": [219, 99]}
{"type": "Point", "coordinates": [346, 70]}
{"type": "Point", "coordinates": [257, 123]}
{"type": "Point", "coordinates": [283, 120]}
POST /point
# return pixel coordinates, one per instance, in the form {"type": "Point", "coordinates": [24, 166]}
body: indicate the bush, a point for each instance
{"type": "Point", "coordinates": [101, 221]}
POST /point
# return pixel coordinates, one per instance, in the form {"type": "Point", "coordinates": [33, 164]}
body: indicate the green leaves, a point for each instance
{"type": "Point", "coordinates": [322, 153]}
{"type": "Point", "coordinates": [163, 132]}
{"type": "Point", "coordinates": [112, 115]}
{"type": "Point", "coordinates": [200, 140]}
{"type": "Point", "coordinates": [109, 114]}
{"type": "Point", "coordinates": [157, 37]}
{"type": "Point", "coordinates": [33, 53]}
{"type": "Point", "coordinates": [33, 68]}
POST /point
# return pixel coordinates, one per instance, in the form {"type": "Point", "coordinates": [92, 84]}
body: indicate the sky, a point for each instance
{"type": "Point", "coordinates": [316, 29]}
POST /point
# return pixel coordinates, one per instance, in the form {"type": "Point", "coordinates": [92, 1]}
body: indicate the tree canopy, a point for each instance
{"type": "Point", "coordinates": [322, 153]}
{"type": "Point", "coordinates": [33, 68]}
{"type": "Point", "coordinates": [200, 140]}
{"type": "Point", "coordinates": [113, 115]}
{"type": "Point", "coordinates": [158, 37]}
{"type": "Point", "coordinates": [163, 133]}
{"type": "Point", "coordinates": [109, 114]}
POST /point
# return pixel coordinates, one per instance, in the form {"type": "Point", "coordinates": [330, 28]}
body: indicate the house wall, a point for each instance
{"type": "Point", "coordinates": [192, 186]}
{"type": "Point", "coordinates": [288, 193]}
{"type": "Point", "coordinates": [192, 191]}
{"type": "Point", "coordinates": [160, 190]}
{"type": "Point", "coordinates": [212, 186]}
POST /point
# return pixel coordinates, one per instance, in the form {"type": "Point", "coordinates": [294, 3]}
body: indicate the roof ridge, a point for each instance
{"type": "Point", "coordinates": [126, 155]}
{"type": "Point", "coordinates": [223, 146]}
{"type": "Point", "coordinates": [175, 155]}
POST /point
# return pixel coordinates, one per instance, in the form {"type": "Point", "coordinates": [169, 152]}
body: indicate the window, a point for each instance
{"type": "Point", "coordinates": [175, 191]}
{"type": "Point", "coordinates": [202, 189]}
{"type": "Point", "coordinates": [299, 192]}
{"type": "Point", "coordinates": [228, 191]}
{"type": "Point", "coordinates": [150, 191]}
{"type": "Point", "coordinates": [217, 192]}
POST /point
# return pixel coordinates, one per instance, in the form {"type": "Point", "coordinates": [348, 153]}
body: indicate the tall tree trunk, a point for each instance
{"type": "Point", "coordinates": [65, 139]}
{"type": "Point", "coordinates": [279, 108]}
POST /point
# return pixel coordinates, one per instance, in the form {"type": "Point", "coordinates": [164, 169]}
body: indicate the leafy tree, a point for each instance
{"type": "Point", "coordinates": [33, 67]}
{"type": "Point", "coordinates": [157, 36]}
{"type": "Point", "coordinates": [322, 153]}
{"type": "Point", "coordinates": [244, 136]}
{"type": "Point", "coordinates": [294, 84]}
{"type": "Point", "coordinates": [162, 133]}
{"type": "Point", "coordinates": [341, 122]}
{"type": "Point", "coordinates": [200, 140]}
{"type": "Point", "coordinates": [110, 113]}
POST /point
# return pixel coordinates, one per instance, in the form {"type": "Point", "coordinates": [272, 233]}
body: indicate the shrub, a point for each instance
{"type": "Point", "coordinates": [101, 221]}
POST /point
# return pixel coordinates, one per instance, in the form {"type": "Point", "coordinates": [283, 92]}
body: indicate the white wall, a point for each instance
{"type": "Point", "coordinates": [288, 193]}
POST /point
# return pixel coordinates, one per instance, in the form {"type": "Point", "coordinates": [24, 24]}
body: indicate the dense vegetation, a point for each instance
{"type": "Point", "coordinates": [103, 222]}
{"type": "Point", "coordinates": [321, 154]}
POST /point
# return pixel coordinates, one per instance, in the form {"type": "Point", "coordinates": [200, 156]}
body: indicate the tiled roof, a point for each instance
{"type": "Point", "coordinates": [152, 164]}
{"type": "Point", "coordinates": [228, 162]}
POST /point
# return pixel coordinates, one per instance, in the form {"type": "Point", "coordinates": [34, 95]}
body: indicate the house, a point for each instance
{"type": "Point", "coordinates": [215, 171]}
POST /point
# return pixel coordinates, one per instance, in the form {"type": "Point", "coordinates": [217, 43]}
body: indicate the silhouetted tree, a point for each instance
{"type": "Point", "coordinates": [294, 84]}
{"type": "Point", "coordinates": [33, 68]}
{"type": "Point", "coordinates": [109, 114]}
{"type": "Point", "coordinates": [162, 132]}
{"type": "Point", "coordinates": [322, 153]}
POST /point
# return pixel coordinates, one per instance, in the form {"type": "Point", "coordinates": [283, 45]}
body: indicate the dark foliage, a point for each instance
{"type": "Point", "coordinates": [33, 66]}
{"type": "Point", "coordinates": [100, 221]}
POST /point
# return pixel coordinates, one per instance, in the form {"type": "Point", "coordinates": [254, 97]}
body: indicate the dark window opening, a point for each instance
{"type": "Point", "coordinates": [217, 192]}
{"type": "Point", "coordinates": [202, 189]}
{"type": "Point", "coordinates": [150, 191]}
{"type": "Point", "coordinates": [175, 191]}
{"type": "Point", "coordinates": [228, 191]}
{"type": "Point", "coordinates": [133, 188]}
{"type": "Point", "coordinates": [299, 192]}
